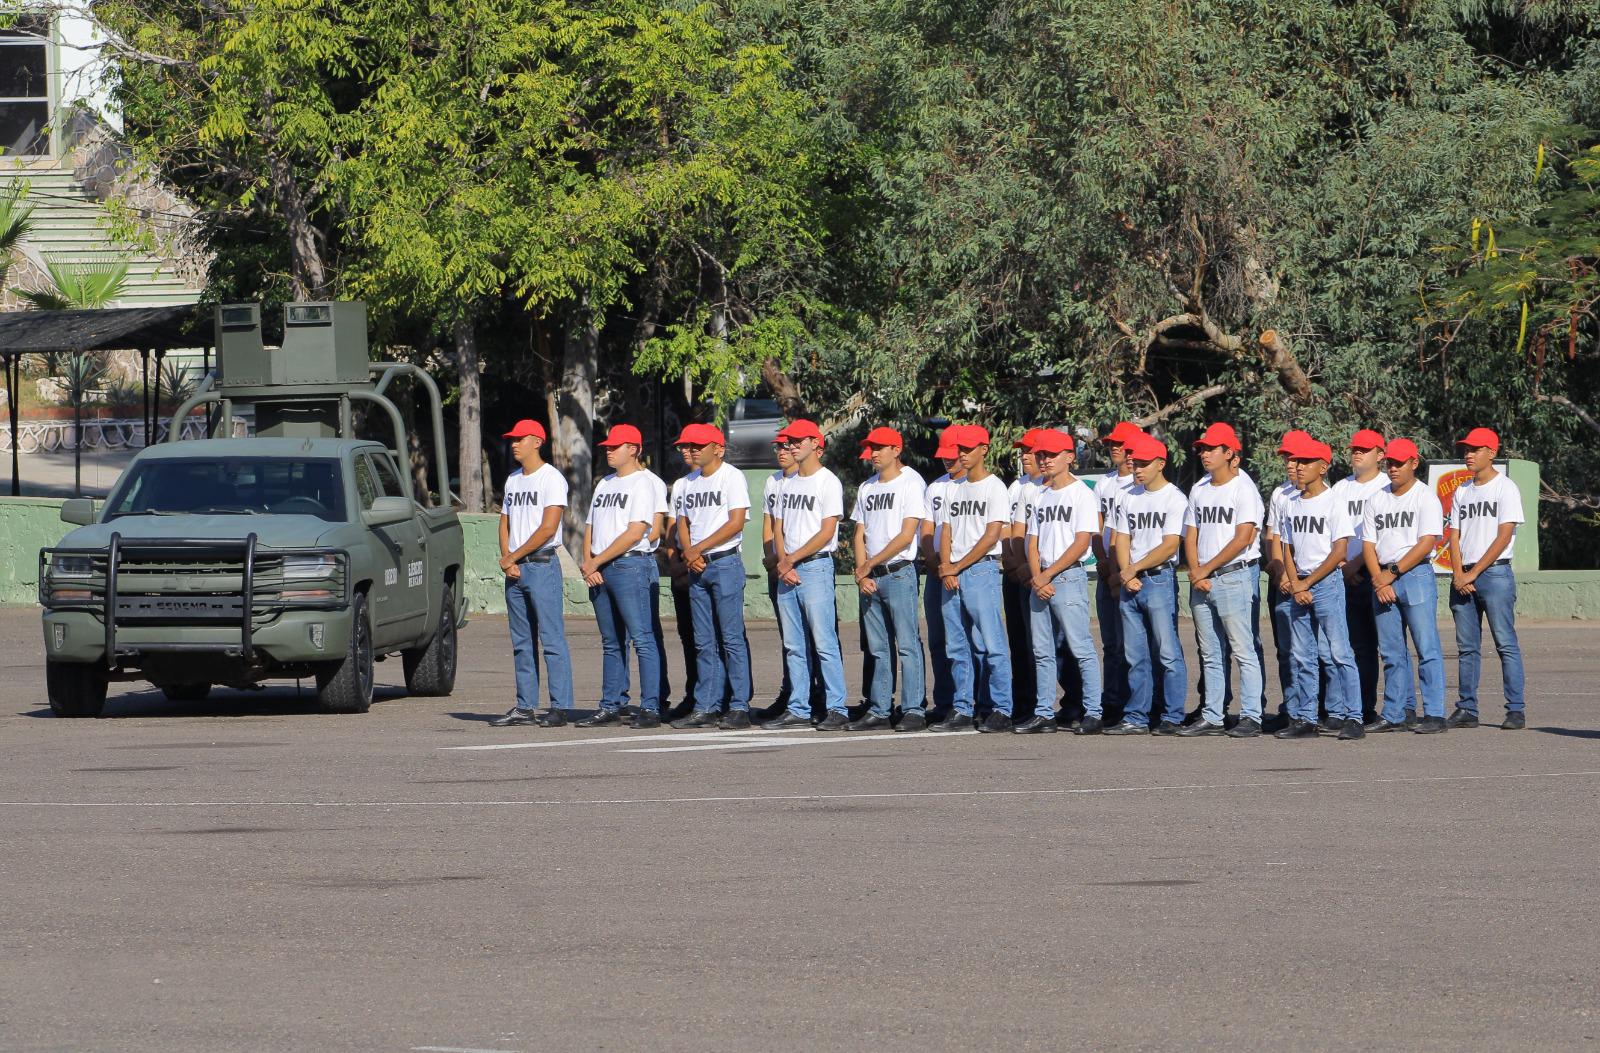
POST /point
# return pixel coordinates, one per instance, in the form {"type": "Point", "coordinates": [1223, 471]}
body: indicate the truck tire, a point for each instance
{"type": "Point", "coordinates": [76, 689]}
{"type": "Point", "coordinates": [431, 669]}
{"type": "Point", "coordinates": [196, 692]}
{"type": "Point", "coordinates": [345, 686]}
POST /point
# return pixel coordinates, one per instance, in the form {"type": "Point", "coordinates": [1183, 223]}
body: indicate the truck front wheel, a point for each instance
{"type": "Point", "coordinates": [76, 689]}
{"type": "Point", "coordinates": [431, 670]}
{"type": "Point", "coordinates": [345, 686]}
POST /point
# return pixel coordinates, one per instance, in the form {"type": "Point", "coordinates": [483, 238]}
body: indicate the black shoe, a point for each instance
{"type": "Point", "coordinates": [1352, 730]}
{"type": "Point", "coordinates": [1431, 726]}
{"type": "Point", "coordinates": [834, 721]}
{"type": "Point", "coordinates": [1128, 727]}
{"type": "Point", "coordinates": [1516, 720]}
{"type": "Point", "coordinates": [1299, 729]}
{"type": "Point", "coordinates": [513, 718]}
{"type": "Point", "coordinates": [643, 720]}
{"type": "Point", "coordinates": [736, 720]}
{"type": "Point", "coordinates": [1168, 728]}
{"type": "Point", "coordinates": [912, 722]}
{"type": "Point", "coordinates": [1411, 718]}
{"type": "Point", "coordinates": [604, 718]}
{"type": "Point", "coordinates": [955, 722]}
{"type": "Point", "coordinates": [1199, 728]}
{"type": "Point", "coordinates": [995, 721]}
{"type": "Point", "coordinates": [857, 711]}
{"type": "Point", "coordinates": [1275, 723]}
{"type": "Point", "coordinates": [1247, 728]}
{"type": "Point", "coordinates": [700, 718]}
{"type": "Point", "coordinates": [1332, 725]}
{"type": "Point", "coordinates": [1037, 726]}
{"type": "Point", "coordinates": [787, 720]}
{"type": "Point", "coordinates": [553, 718]}
{"type": "Point", "coordinates": [1090, 726]}
{"type": "Point", "coordinates": [1461, 718]}
{"type": "Point", "coordinates": [1381, 726]}
{"type": "Point", "coordinates": [679, 711]}
{"type": "Point", "coordinates": [867, 723]}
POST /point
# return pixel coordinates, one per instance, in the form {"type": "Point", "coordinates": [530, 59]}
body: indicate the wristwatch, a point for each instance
{"type": "Point", "coordinates": [1392, 568]}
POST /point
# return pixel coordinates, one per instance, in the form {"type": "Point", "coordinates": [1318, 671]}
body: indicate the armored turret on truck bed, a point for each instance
{"type": "Point", "coordinates": [301, 552]}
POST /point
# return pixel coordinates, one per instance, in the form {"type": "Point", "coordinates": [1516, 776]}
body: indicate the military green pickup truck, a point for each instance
{"type": "Point", "coordinates": [302, 552]}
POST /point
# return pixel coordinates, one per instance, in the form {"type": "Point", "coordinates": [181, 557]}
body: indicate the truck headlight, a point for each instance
{"type": "Point", "coordinates": [65, 566]}
{"type": "Point", "coordinates": [299, 568]}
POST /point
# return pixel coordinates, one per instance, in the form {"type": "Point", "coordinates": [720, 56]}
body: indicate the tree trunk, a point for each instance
{"type": "Point", "coordinates": [573, 426]}
{"type": "Point", "coordinates": [1275, 349]}
{"type": "Point", "coordinates": [308, 278]}
{"type": "Point", "coordinates": [784, 389]}
{"type": "Point", "coordinates": [469, 437]}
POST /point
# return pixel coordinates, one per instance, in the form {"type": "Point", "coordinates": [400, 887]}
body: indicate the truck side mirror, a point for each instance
{"type": "Point", "coordinates": [79, 511]}
{"type": "Point", "coordinates": [387, 511]}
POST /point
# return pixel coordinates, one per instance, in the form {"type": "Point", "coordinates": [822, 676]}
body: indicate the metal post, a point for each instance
{"type": "Point", "coordinates": [77, 424]}
{"type": "Point", "coordinates": [156, 403]}
{"type": "Point", "coordinates": [13, 381]}
{"type": "Point", "coordinates": [144, 365]}
{"type": "Point", "coordinates": [205, 371]}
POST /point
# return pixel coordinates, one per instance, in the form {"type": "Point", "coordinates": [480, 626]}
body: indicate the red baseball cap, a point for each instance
{"type": "Point", "coordinates": [524, 428]}
{"type": "Point", "coordinates": [947, 442]}
{"type": "Point", "coordinates": [1311, 450]}
{"type": "Point", "coordinates": [881, 436]}
{"type": "Point", "coordinates": [1147, 448]}
{"type": "Point", "coordinates": [803, 429]}
{"type": "Point", "coordinates": [971, 436]}
{"type": "Point", "coordinates": [1027, 442]}
{"type": "Point", "coordinates": [1481, 437]}
{"type": "Point", "coordinates": [1366, 439]}
{"type": "Point", "coordinates": [780, 437]}
{"type": "Point", "coordinates": [621, 434]}
{"type": "Point", "coordinates": [701, 435]}
{"type": "Point", "coordinates": [1402, 450]}
{"type": "Point", "coordinates": [1125, 432]}
{"type": "Point", "coordinates": [1220, 434]}
{"type": "Point", "coordinates": [1049, 440]}
{"type": "Point", "coordinates": [866, 452]}
{"type": "Point", "coordinates": [1294, 440]}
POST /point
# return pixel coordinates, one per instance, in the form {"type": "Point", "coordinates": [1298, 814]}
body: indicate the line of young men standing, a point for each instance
{"type": "Point", "coordinates": [1004, 579]}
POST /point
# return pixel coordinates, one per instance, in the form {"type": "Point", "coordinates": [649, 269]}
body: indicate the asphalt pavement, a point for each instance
{"type": "Point", "coordinates": [249, 874]}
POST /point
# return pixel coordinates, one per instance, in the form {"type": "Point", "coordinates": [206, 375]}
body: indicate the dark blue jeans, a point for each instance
{"type": "Point", "coordinates": [533, 610]}
{"type": "Point", "coordinates": [1496, 600]}
{"type": "Point", "coordinates": [1149, 641]}
{"type": "Point", "coordinates": [722, 656]}
{"type": "Point", "coordinates": [624, 611]}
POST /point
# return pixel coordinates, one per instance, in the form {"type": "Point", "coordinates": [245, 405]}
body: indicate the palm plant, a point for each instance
{"type": "Point", "coordinates": [78, 286]}
{"type": "Point", "coordinates": [16, 223]}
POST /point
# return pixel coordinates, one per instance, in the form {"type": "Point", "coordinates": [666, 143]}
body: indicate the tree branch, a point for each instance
{"type": "Point", "coordinates": [1562, 400]}
{"type": "Point", "coordinates": [1276, 353]}
{"type": "Point", "coordinates": [1191, 399]}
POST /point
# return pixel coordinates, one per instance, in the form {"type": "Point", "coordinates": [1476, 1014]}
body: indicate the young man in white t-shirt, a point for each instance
{"type": "Point", "coordinates": [1280, 604]}
{"type": "Point", "coordinates": [944, 684]}
{"type": "Point", "coordinates": [1016, 578]}
{"type": "Point", "coordinates": [619, 566]}
{"type": "Point", "coordinates": [671, 562]}
{"type": "Point", "coordinates": [1316, 530]}
{"type": "Point", "coordinates": [1110, 489]}
{"type": "Point", "coordinates": [969, 575]}
{"type": "Point", "coordinates": [889, 512]}
{"type": "Point", "coordinates": [1222, 548]}
{"type": "Point", "coordinates": [530, 531]}
{"type": "Point", "coordinates": [1063, 522]}
{"type": "Point", "coordinates": [1400, 526]}
{"type": "Point", "coordinates": [771, 491]}
{"type": "Point", "coordinates": [713, 507]}
{"type": "Point", "coordinates": [1484, 514]}
{"type": "Point", "coordinates": [1149, 533]}
{"type": "Point", "coordinates": [1365, 479]}
{"type": "Point", "coordinates": [806, 534]}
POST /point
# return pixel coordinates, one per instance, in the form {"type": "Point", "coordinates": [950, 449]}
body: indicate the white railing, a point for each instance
{"type": "Point", "coordinates": [101, 433]}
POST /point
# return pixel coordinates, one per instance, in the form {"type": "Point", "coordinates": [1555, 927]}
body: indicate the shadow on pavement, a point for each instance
{"type": "Point", "coordinates": [1572, 733]}
{"type": "Point", "coordinates": [269, 702]}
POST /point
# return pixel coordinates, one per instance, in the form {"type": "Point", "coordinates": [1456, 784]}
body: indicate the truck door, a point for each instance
{"type": "Point", "coordinates": [400, 597]}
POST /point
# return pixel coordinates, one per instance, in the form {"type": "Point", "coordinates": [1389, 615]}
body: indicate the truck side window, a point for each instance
{"type": "Point", "coordinates": [388, 479]}
{"type": "Point", "coordinates": [366, 484]}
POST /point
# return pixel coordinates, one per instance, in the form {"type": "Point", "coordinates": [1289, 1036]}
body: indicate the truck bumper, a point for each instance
{"type": "Point", "coordinates": [287, 637]}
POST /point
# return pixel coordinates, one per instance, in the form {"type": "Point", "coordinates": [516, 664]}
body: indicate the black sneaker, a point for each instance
{"type": "Point", "coordinates": [553, 718]}
{"type": "Point", "coordinates": [1332, 725]}
{"type": "Point", "coordinates": [1411, 718]}
{"type": "Point", "coordinates": [1128, 727]}
{"type": "Point", "coordinates": [513, 718]}
{"type": "Point", "coordinates": [643, 720]}
{"type": "Point", "coordinates": [1431, 726]}
{"type": "Point", "coordinates": [787, 720]}
{"type": "Point", "coordinates": [834, 721]}
{"type": "Point", "coordinates": [1090, 726]}
{"type": "Point", "coordinates": [1275, 723]}
{"type": "Point", "coordinates": [700, 718]}
{"type": "Point", "coordinates": [1200, 727]}
{"type": "Point", "coordinates": [867, 723]}
{"type": "Point", "coordinates": [955, 722]}
{"type": "Point", "coordinates": [912, 722]}
{"type": "Point", "coordinates": [1381, 726]}
{"type": "Point", "coordinates": [603, 719]}
{"type": "Point", "coordinates": [996, 721]}
{"type": "Point", "coordinates": [1299, 729]}
{"type": "Point", "coordinates": [1352, 730]}
{"type": "Point", "coordinates": [1036, 726]}
{"type": "Point", "coordinates": [1461, 718]}
{"type": "Point", "coordinates": [1247, 728]}
{"type": "Point", "coordinates": [1168, 728]}
{"type": "Point", "coordinates": [1516, 720]}
{"type": "Point", "coordinates": [736, 720]}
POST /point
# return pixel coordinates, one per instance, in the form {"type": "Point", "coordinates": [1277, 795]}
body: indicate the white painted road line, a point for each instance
{"type": "Point", "coordinates": [458, 1049]}
{"type": "Point", "coordinates": [819, 739]}
{"type": "Point", "coordinates": [612, 740]}
{"type": "Point", "coordinates": [780, 798]}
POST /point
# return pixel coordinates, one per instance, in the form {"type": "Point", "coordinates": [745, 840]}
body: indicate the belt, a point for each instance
{"type": "Point", "coordinates": [1156, 570]}
{"type": "Point", "coordinates": [888, 568]}
{"type": "Point", "coordinates": [542, 556]}
{"type": "Point", "coordinates": [813, 558]}
{"type": "Point", "coordinates": [1497, 563]}
{"type": "Point", "coordinates": [710, 556]}
{"type": "Point", "coordinates": [1243, 564]}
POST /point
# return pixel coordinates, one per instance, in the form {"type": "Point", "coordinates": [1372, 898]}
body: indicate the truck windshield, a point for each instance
{"type": "Point", "coordinates": [232, 486]}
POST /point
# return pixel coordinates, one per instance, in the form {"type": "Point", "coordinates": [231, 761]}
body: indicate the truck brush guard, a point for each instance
{"type": "Point", "coordinates": [191, 581]}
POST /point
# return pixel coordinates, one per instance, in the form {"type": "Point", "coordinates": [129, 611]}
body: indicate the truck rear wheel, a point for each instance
{"type": "Point", "coordinates": [345, 686]}
{"type": "Point", "coordinates": [431, 669]}
{"type": "Point", "coordinates": [76, 689]}
{"type": "Point", "coordinates": [186, 692]}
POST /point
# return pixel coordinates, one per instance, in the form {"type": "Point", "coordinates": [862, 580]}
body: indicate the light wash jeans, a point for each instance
{"type": "Point", "coordinates": [889, 620]}
{"type": "Point", "coordinates": [1321, 634]}
{"type": "Point", "coordinates": [623, 608]}
{"type": "Point", "coordinates": [1064, 616]}
{"type": "Point", "coordinates": [722, 656]}
{"type": "Point", "coordinates": [1150, 637]}
{"type": "Point", "coordinates": [1415, 610]}
{"type": "Point", "coordinates": [808, 614]}
{"type": "Point", "coordinates": [1495, 599]}
{"type": "Point", "coordinates": [533, 610]}
{"type": "Point", "coordinates": [975, 635]}
{"type": "Point", "coordinates": [1224, 627]}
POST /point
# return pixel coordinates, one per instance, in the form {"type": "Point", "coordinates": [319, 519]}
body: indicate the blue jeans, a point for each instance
{"type": "Point", "coordinates": [1224, 627]}
{"type": "Point", "coordinates": [623, 609]}
{"type": "Point", "coordinates": [722, 657]}
{"type": "Point", "coordinates": [1415, 610]}
{"type": "Point", "coordinates": [533, 608]}
{"type": "Point", "coordinates": [1108, 611]}
{"type": "Point", "coordinates": [939, 652]}
{"type": "Point", "coordinates": [1066, 616]}
{"type": "Point", "coordinates": [975, 635]}
{"type": "Point", "coordinates": [808, 615]}
{"type": "Point", "coordinates": [1496, 598]}
{"type": "Point", "coordinates": [1358, 605]}
{"type": "Point", "coordinates": [1281, 604]}
{"type": "Point", "coordinates": [1322, 634]}
{"type": "Point", "coordinates": [889, 619]}
{"type": "Point", "coordinates": [1150, 634]}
